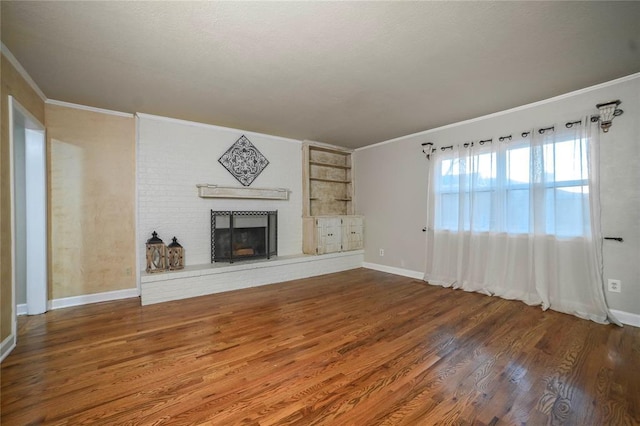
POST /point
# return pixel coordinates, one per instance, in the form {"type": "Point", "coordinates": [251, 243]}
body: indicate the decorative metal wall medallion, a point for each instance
{"type": "Point", "coordinates": [244, 161]}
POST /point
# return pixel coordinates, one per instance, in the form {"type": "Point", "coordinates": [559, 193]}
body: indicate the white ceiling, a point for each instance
{"type": "Point", "coordinates": [347, 73]}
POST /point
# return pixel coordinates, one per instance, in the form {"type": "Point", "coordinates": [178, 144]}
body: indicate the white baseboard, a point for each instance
{"type": "Point", "coordinates": [9, 343]}
{"type": "Point", "coordinates": [85, 299]}
{"type": "Point", "coordinates": [392, 270]}
{"type": "Point", "coordinates": [627, 317]}
{"type": "Point", "coordinates": [21, 309]}
{"type": "Point", "coordinates": [7, 346]}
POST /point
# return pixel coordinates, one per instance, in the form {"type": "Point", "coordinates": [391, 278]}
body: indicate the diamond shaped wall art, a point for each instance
{"type": "Point", "coordinates": [244, 161]}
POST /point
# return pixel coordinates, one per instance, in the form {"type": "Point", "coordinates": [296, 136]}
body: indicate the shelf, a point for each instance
{"type": "Point", "coordinates": [334, 199]}
{"type": "Point", "coordinates": [206, 190]}
{"type": "Point", "coordinates": [330, 180]}
{"type": "Point", "coordinates": [335, 166]}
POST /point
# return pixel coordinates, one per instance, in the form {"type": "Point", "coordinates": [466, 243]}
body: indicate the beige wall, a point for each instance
{"type": "Point", "coordinates": [12, 84]}
{"type": "Point", "coordinates": [91, 160]}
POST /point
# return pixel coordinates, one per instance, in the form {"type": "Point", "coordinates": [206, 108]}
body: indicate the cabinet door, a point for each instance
{"type": "Point", "coordinates": [329, 234]}
{"type": "Point", "coordinates": [352, 233]}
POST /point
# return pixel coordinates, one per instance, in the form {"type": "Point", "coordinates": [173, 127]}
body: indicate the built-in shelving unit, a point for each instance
{"type": "Point", "coordinates": [329, 223]}
{"type": "Point", "coordinates": [327, 181]}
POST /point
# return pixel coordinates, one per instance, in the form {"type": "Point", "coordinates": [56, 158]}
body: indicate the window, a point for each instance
{"type": "Point", "coordinates": [517, 188]}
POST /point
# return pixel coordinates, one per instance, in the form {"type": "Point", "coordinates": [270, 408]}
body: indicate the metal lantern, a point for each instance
{"type": "Point", "coordinates": [175, 255]}
{"type": "Point", "coordinates": [156, 254]}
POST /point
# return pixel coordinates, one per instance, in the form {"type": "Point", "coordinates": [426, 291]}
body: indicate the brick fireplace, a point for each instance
{"type": "Point", "coordinates": [172, 201]}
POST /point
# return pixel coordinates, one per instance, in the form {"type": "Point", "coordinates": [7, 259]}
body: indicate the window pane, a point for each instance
{"type": "Point", "coordinates": [449, 175]}
{"type": "Point", "coordinates": [518, 211]}
{"type": "Point", "coordinates": [549, 157]}
{"type": "Point", "coordinates": [447, 213]}
{"type": "Point", "coordinates": [518, 161]}
{"type": "Point", "coordinates": [567, 211]}
{"type": "Point", "coordinates": [484, 171]}
{"type": "Point", "coordinates": [481, 219]}
{"type": "Point", "coordinates": [570, 161]}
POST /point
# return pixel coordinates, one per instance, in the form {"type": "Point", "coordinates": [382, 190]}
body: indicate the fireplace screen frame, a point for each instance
{"type": "Point", "coordinates": [271, 233]}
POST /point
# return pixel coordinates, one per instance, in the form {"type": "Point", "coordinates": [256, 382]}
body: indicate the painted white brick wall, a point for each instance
{"type": "Point", "coordinates": [193, 282]}
{"type": "Point", "coordinates": [173, 156]}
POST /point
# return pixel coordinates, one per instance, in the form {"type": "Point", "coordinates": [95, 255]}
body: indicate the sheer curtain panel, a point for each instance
{"type": "Point", "coordinates": [519, 217]}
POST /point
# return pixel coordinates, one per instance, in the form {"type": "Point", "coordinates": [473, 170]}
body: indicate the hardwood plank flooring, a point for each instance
{"type": "Point", "coordinates": [354, 348]}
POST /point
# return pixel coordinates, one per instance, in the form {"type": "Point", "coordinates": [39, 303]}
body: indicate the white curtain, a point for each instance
{"type": "Point", "coordinates": [519, 218]}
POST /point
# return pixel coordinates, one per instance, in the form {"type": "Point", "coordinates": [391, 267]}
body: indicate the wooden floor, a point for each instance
{"type": "Point", "coordinates": [354, 348]}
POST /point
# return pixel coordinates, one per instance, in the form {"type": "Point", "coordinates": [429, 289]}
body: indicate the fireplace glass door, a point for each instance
{"type": "Point", "coordinates": [243, 235]}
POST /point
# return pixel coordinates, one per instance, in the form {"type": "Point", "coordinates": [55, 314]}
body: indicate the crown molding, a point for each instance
{"type": "Point", "coordinates": [88, 108]}
{"type": "Point", "coordinates": [213, 126]}
{"type": "Point", "coordinates": [13, 61]}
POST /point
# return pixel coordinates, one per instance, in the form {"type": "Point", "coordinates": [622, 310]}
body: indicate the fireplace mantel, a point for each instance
{"type": "Point", "coordinates": [217, 191]}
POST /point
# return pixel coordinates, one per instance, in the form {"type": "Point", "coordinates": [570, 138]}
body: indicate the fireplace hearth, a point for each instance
{"type": "Point", "coordinates": [243, 235]}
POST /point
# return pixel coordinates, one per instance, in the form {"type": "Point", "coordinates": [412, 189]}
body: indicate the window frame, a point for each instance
{"type": "Point", "coordinates": [500, 183]}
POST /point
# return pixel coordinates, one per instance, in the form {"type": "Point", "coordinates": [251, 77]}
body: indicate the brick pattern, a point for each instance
{"type": "Point", "coordinates": [174, 156]}
{"type": "Point", "coordinates": [201, 281]}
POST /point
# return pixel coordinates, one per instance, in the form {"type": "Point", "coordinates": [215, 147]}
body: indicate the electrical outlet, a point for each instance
{"type": "Point", "coordinates": [381, 252]}
{"type": "Point", "coordinates": [614, 286]}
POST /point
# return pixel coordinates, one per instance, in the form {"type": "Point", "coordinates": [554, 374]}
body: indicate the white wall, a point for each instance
{"type": "Point", "coordinates": [391, 182]}
{"type": "Point", "coordinates": [173, 156]}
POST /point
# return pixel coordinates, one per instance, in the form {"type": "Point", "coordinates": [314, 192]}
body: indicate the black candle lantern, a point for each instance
{"type": "Point", "coordinates": [175, 255]}
{"type": "Point", "coordinates": [156, 254]}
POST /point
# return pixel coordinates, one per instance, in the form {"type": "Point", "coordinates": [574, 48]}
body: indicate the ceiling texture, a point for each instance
{"type": "Point", "coordinates": [345, 73]}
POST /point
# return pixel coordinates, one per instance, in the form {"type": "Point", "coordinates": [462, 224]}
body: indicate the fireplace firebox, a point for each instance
{"type": "Point", "coordinates": [242, 235]}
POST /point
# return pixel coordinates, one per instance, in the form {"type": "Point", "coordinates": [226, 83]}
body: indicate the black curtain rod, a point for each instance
{"type": "Point", "coordinates": [542, 130]}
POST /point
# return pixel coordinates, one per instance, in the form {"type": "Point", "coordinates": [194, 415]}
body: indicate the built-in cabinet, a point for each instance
{"type": "Point", "coordinates": [331, 234]}
{"type": "Point", "coordinates": [352, 233]}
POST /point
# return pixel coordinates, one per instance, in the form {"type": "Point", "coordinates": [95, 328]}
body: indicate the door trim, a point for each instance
{"type": "Point", "coordinates": [14, 105]}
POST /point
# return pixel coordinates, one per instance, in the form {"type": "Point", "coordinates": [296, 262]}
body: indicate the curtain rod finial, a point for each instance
{"type": "Point", "coordinates": [608, 110]}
